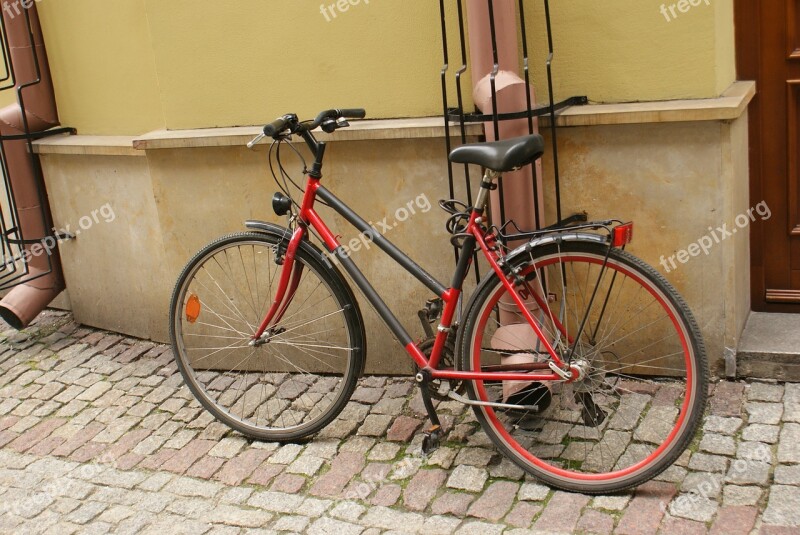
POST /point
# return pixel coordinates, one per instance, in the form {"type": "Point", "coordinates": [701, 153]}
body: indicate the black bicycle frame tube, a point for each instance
{"type": "Point", "coordinates": [464, 261]}
{"type": "Point", "coordinates": [385, 245]}
{"type": "Point", "coordinates": [401, 258]}
{"type": "Point", "coordinates": [372, 296]}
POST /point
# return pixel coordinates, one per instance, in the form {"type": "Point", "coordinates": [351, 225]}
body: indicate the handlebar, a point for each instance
{"type": "Point", "coordinates": [290, 121]}
{"type": "Point", "coordinates": [288, 125]}
{"type": "Point", "coordinates": [277, 126]}
{"type": "Point", "coordinates": [353, 113]}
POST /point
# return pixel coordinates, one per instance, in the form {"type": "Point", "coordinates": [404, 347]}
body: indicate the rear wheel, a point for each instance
{"type": "Point", "coordinates": [642, 387]}
{"type": "Point", "coordinates": [300, 379]}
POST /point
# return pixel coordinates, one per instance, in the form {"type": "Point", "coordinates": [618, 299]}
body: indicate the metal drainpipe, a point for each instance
{"type": "Point", "coordinates": [511, 97]}
{"type": "Point", "coordinates": [24, 302]}
{"type": "Point", "coordinates": [518, 194]}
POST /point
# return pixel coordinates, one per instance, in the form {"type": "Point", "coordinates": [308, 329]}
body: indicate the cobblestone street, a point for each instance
{"type": "Point", "coordinates": [98, 435]}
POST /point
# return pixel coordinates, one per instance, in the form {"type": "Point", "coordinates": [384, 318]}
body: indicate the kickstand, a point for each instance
{"type": "Point", "coordinates": [435, 433]}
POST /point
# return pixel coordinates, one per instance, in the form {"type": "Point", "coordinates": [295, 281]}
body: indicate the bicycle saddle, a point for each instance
{"type": "Point", "coordinates": [501, 156]}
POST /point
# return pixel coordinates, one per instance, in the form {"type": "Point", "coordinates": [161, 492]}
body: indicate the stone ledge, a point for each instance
{"type": "Point", "coordinates": [370, 130]}
{"type": "Point", "coordinates": [87, 146]}
{"type": "Point", "coordinates": [422, 128]}
{"type": "Point", "coordinates": [770, 347]}
{"type": "Point", "coordinates": [728, 107]}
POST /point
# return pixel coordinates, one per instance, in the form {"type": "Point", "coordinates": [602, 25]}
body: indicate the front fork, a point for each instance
{"type": "Point", "coordinates": [287, 286]}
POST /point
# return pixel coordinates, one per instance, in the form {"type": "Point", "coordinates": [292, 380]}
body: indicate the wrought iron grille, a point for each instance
{"type": "Point", "coordinates": [15, 246]}
{"type": "Point", "coordinates": [456, 70]}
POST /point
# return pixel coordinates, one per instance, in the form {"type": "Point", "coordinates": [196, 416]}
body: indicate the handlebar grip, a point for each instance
{"type": "Point", "coordinates": [353, 113]}
{"type": "Point", "coordinates": [276, 127]}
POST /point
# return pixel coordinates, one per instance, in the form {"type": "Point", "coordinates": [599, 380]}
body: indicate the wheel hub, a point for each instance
{"type": "Point", "coordinates": [268, 335]}
{"type": "Point", "coordinates": [580, 371]}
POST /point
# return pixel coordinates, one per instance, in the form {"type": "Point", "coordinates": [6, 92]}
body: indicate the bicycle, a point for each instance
{"type": "Point", "coordinates": [581, 363]}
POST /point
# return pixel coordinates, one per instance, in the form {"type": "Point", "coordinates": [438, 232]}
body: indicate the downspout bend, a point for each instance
{"type": "Point", "coordinates": [512, 97]}
{"type": "Point", "coordinates": [36, 110]}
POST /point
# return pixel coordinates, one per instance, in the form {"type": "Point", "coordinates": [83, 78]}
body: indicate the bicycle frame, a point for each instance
{"type": "Point", "coordinates": [475, 236]}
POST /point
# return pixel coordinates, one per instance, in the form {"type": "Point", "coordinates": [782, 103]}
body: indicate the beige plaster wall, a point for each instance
{"type": "Point", "coordinates": [737, 280]}
{"type": "Point", "coordinates": [114, 269]}
{"type": "Point", "coordinates": [130, 66]}
{"type": "Point", "coordinates": [201, 194]}
{"type": "Point", "coordinates": [674, 180]}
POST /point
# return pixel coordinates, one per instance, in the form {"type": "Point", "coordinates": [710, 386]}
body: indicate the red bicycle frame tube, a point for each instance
{"type": "Point", "coordinates": [283, 283]}
{"type": "Point", "coordinates": [289, 280]}
{"type": "Point", "coordinates": [477, 232]}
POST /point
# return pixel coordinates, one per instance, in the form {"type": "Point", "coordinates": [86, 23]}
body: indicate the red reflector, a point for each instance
{"type": "Point", "coordinates": [193, 308]}
{"type": "Point", "coordinates": [623, 234]}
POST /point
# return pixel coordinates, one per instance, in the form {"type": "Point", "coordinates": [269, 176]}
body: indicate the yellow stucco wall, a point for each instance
{"type": "Point", "coordinates": [628, 50]}
{"type": "Point", "coordinates": [129, 66]}
{"type": "Point", "coordinates": [102, 65]}
{"type": "Point", "coordinates": [725, 32]}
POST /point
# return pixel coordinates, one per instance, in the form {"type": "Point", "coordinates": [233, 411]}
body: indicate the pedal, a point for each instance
{"type": "Point", "coordinates": [432, 439]}
{"type": "Point", "coordinates": [433, 435]}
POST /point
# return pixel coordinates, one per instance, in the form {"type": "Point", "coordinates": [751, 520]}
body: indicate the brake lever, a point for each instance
{"type": "Point", "coordinates": [329, 126]}
{"type": "Point", "coordinates": [256, 141]}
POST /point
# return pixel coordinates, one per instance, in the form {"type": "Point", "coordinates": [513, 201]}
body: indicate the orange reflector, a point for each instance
{"type": "Point", "coordinates": [192, 308]}
{"type": "Point", "coordinates": [623, 234]}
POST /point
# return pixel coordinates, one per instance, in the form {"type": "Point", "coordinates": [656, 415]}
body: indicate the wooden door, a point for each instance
{"type": "Point", "coordinates": [768, 51]}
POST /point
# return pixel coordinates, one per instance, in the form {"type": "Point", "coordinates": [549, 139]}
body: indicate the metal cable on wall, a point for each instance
{"type": "Point", "coordinates": [491, 48]}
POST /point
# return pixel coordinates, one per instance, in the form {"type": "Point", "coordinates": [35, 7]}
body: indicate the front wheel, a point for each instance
{"type": "Point", "coordinates": [642, 387]}
{"type": "Point", "coordinates": [302, 375]}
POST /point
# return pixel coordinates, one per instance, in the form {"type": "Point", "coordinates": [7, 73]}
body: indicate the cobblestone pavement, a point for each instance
{"type": "Point", "coordinates": [98, 435]}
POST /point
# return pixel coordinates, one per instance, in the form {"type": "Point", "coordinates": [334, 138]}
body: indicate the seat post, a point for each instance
{"type": "Point", "coordinates": [486, 186]}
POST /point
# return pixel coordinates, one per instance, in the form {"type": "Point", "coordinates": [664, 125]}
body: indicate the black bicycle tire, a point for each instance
{"type": "Point", "coordinates": [340, 290]}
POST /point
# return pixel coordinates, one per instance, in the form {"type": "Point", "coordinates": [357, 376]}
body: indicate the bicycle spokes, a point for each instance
{"type": "Point", "coordinates": [632, 365]}
{"type": "Point", "coordinates": [300, 366]}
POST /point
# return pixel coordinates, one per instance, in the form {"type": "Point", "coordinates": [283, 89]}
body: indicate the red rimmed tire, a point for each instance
{"type": "Point", "coordinates": [643, 384]}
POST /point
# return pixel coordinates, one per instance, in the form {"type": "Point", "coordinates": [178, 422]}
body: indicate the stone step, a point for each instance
{"type": "Point", "coordinates": [770, 347]}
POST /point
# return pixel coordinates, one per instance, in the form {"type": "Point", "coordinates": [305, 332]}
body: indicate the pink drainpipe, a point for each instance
{"type": "Point", "coordinates": [511, 97]}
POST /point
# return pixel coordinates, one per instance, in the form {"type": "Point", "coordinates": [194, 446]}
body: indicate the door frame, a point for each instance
{"type": "Point", "coordinates": [747, 20]}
